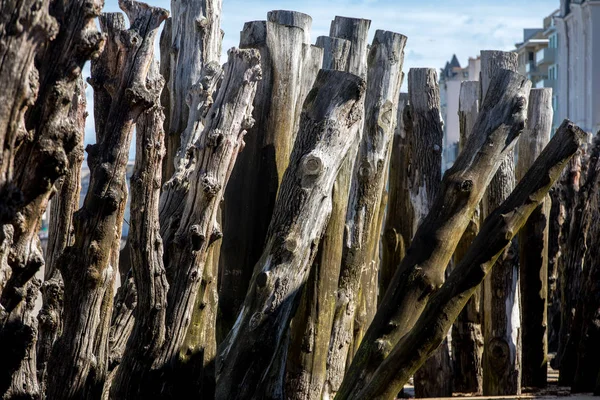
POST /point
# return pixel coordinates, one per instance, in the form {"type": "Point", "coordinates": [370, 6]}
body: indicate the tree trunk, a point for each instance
{"type": "Point", "coordinates": [306, 364]}
{"type": "Point", "coordinates": [86, 265]}
{"type": "Point", "coordinates": [194, 41]}
{"type": "Point", "coordinates": [62, 207]}
{"type": "Point", "coordinates": [256, 177]}
{"type": "Point", "coordinates": [467, 335]}
{"type": "Point", "coordinates": [434, 378]}
{"type": "Point", "coordinates": [493, 240]}
{"type": "Point", "coordinates": [533, 242]}
{"type": "Point", "coordinates": [396, 237]}
{"type": "Point", "coordinates": [422, 270]}
{"type": "Point", "coordinates": [501, 313]}
{"type": "Point", "coordinates": [588, 348]}
{"type": "Point", "coordinates": [332, 114]}
{"type": "Point", "coordinates": [386, 57]}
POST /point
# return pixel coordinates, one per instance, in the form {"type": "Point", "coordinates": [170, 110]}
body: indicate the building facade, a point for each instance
{"type": "Point", "coordinates": [578, 63]}
{"type": "Point", "coordinates": [451, 77]}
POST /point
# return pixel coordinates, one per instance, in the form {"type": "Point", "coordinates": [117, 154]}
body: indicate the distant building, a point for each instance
{"type": "Point", "coordinates": [577, 26]}
{"type": "Point", "coordinates": [451, 76]}
{"type": "Point", "coordinates": [538, 58]}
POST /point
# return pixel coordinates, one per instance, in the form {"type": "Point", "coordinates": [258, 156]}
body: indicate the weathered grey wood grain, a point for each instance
{"type": "Point", "coordinates": [495, 237]}
{"type": "Point", "coordinates": [332, 114]}
{"type": "Point", "coordinates": [422, 271]}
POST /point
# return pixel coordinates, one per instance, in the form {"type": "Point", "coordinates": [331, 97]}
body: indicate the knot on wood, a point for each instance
{"type": "Point", "coordinates": [216, 234]}
{"type": "Point", "coordinates": [112, 199]}
{"type": "Point", "coordinates": [197, 237]}
{"type": "Point", "coordinates": [253, 74]}
{"type": "Point", "coordinates": [138, 95]}
{"type": "Point", "coordinates": [365, 171]}
{"type": "Point", "coordinates": [261, 279]}
{"type": "Point", "coordinates": [210, 186]}
{"type": "Point", "coordinates": [520, 104]}
{"type": "Point", "coordinates": [255, 320]}
{"type": "Point", "coordinates": [436, 148]}
{"type": "Point", "coordinates": [466, 186]}
{"type": "Point", "coordinates": [214, 137]}
{"type": "Point", "coordinates": [311, 167]}
{"type": "Point", "coordinates": [290, 245]}
{"type": "Point", "coordinates": [91, 44]}
{"type": "Point", "coordinates": [201, 23]}
{"type": "Point", "coordinates": [499, 352]}
{"type": "Point", "coordinates": [247, 122]}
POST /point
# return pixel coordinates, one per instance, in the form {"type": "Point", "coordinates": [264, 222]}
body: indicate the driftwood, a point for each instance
{"type": "Point", "coordinates": [386, 57]}
{"type": "Point", "coordinates": [422, 271]}
{"type": "Point", "coordinates": [501, 324]}
{"type": "Point", "coordinates": [467, 335]}
{"type": "Point", "coordinates": [332, 114]}
{"type": "Point", "coordinates": [533, 246]}
{"type": "Point", "coordinates": [494, 238]}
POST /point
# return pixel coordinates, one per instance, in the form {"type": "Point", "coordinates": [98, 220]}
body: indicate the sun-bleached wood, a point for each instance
{"type": "Point", "coordinates": [331, 116]}
{"type": "Point", "coordinates": [495, 237]}
{"type": "Point", "coordinates": [421, 273]}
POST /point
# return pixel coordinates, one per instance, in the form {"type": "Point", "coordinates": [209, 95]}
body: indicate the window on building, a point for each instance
{"type": "Point", "coordinates": [531, 56]}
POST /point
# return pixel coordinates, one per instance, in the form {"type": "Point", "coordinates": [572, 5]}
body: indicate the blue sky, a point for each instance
{"type": "Point", "coordinates": [436, 29]}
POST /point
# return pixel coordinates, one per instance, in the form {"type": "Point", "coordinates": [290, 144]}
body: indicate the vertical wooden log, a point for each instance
{"type": "Point", "coordinates": [252, 189]}
{"type": "Point", "coordinates": [467, 335]}
{"type": "Point", "coordinates": [60, 230]}
{"type": "Point", "coordinates": [311, 328]}
{"type": "Point", "coordinates": [86, 266]}
{"type": "Point", "coordinates": [557, 219]}
{"type": "Point", "coordinates": [395, 238]}
{"type": "Point", "coordinates": [386, 57]}
{"type": "Point", "coordinates": [332, 114]}
{"type": "Point", "coordinates": [434, 378]}
{"type": "Point", "coordinates": [463, 186]}
{"type": "Point", "coordinates": [533, 246]}
{"type": "Point", "coordinates": [501, 325]}
{"type": "Point", "coordinates": [195, 40]}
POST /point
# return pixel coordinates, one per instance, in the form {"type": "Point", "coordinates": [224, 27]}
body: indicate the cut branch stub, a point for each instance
{"type": "Point", "coordinates": [332, 113]}
{"type": "Point", "coordinates": [495, 237]}
{"type": "Point", "coordinates": [500, 122]}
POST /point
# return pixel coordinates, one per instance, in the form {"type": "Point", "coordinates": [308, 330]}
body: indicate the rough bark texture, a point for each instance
{"type": "Point", "coordinates": [332, 114]}
{"type": "Point", "coordinates": [434, 378]}
{"type": "Point", "coordinates": [588, 307]}
{"type": "Point", "coordinates": [146, 247]}
{"type": "Point", "coordinates": [500, 122]}
{"type": "Point", "coordinates": [501, 313]}
{"type": "Point", "coordinates": [195, 40]}
{"type": "Point", "coordinates": [467, 335]}
{"type": "Point", "coordinates": [62, 208]}
{"type": "Point", "coordinates": [493, 240]}
{"type": "Point", "coordinates": [254, 183]}
{"type": "Point", "coordinates": [46, 137]}
{"type": "Point", "coordinates": [395, 240]}
{"type": "Point", "coordinates": [386, 57]}
{"type": "Point", "coordinates": [533, 248]}
{"type": "Point", "coordinates": [86, 265]}
{"type": "Point", "coordinates": [311, 328]}
{"type": "Point", "coordinates": [188, 244]}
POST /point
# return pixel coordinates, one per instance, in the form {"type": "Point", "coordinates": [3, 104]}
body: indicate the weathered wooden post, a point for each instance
{"type": "Point", "coordinates": [497, 232]}
{"type": "Point", "coordinates": [467, 335]}
{"type": "Point", "coordinates": [332, 114]}
{"type": "Point", "coordinates": [425, 133]}
{"type": "Point", "coordinates": [463, 186]}
{"type": "Point", "coordinates": [384, 73]}
{"type": "Point", "coordinates": [533, 246]}
{"type": "Point", "coordinates": [307, 365]}
{"type": "Point", "coordinates": [501, 312]}
{"type": "Point", "coordinates": [256, 176]}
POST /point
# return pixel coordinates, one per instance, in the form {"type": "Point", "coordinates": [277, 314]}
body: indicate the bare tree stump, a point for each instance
{"type": "Point", "coordinates": [467, 335]}
{"type": "Point", "coordinates": [332, 114]}
{"type": "Point", "coordinates": [501, 312]}
{"type": "Point", "coordinates": [533, 248]}
{"type": "Point", "coordinates": [496, 234]}
{"type": "Point", "coordinates": [422, 271]}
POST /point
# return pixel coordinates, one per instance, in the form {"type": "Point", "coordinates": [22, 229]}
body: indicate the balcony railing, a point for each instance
{"type": "Point", "coordinates": [545, 56]}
